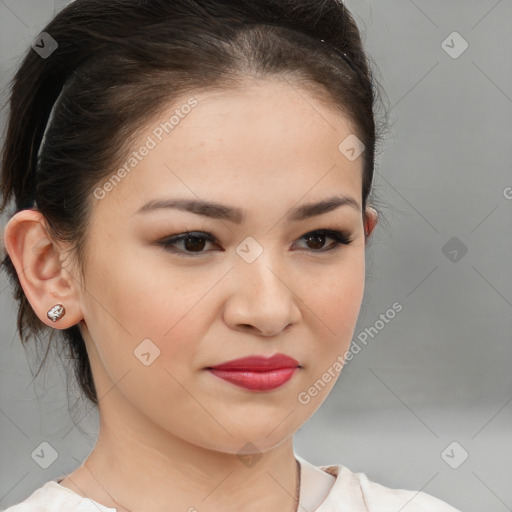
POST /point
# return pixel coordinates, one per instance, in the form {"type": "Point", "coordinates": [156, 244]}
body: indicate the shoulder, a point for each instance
{"type": "Point", "coordinates": [362, 494]}
{"type": "Point", "coordinates": [412, 501]}
{"type": "Point", "coordinates": [52, 497]}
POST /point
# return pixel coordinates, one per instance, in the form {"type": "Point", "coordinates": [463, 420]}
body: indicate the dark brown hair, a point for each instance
{"type": "Point", "coordinates": [120, 62]}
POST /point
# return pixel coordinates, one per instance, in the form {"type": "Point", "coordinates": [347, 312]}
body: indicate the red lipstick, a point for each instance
{"type": "Point", "coordinates": [257, 373]}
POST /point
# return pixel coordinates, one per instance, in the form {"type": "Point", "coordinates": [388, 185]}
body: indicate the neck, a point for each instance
{"type": "Point", "coordinates": [135, 466]}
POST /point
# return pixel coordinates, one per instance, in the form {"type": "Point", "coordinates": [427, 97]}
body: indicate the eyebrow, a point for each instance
{"type": "Point", "coordinates": [237, 215]}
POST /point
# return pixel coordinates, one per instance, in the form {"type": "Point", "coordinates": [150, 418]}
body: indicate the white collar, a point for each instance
{"type": "Point", "coordinates": [315, 485]}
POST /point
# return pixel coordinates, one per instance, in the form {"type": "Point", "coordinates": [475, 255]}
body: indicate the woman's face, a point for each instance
{"type": "Point", "coordinates": [155, 318]}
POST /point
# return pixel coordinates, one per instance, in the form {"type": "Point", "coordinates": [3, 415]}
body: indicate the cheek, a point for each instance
{"type": "Point", "coordinates": [145, 323]}
{"type": "Point", "coordinates": [335, 297]}
{"type": "Point", "coordinates": [333, 306]}
{"type": "Point", "coordinates": [340, 303]}
{"type": "Point", "coordinates": [158, 309]}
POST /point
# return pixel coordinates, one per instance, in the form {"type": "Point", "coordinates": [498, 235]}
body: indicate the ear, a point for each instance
{"type": "Point", "coordinates": [38, 263]}
{"type": "Point", "coordinates": [370, 221]}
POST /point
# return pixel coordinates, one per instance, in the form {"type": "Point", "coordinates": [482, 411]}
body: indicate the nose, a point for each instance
{"type": "Point", "coordinates": [264, 297]}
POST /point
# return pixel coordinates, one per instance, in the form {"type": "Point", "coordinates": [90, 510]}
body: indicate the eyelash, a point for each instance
{"type": "Point", "coordinates": [339, 237]}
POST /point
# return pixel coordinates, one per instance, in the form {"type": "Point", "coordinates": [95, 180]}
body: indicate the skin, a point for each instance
{"type": "Point", "coordinates": [171, 432]}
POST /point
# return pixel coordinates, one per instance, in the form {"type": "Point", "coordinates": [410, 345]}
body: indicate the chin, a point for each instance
{"type": "Point", "coordinates": [244, 441]}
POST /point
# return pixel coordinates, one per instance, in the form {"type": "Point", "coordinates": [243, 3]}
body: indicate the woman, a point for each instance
{"type": "Point", "coordinates": [191, 181]}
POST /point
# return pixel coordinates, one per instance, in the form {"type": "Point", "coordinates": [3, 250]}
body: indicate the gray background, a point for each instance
{"type": "Point", "coordinates": [439, 371]}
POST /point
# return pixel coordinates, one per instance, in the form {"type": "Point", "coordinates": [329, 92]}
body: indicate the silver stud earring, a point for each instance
{"type": "Point", "coordinates": [56, 312]}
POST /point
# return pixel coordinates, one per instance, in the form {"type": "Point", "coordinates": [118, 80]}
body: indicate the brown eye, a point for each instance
{"type": "Point", "coordinates": [316, 239]}
{"type": "Point", "coordinates": [194, 243]}
{"type": "Point", "coordinates": [191, 242]}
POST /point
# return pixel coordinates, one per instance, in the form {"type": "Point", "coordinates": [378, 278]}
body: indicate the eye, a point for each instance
{"type": "Point", "coordinates": [193, 242]}
{"type": "Point", "coordinates": [317, 238]}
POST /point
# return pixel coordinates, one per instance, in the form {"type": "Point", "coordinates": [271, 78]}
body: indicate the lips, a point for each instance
{"type": "Point", "coordinates": [257, 373]}
{"type": "Point", "coordinates": [258, 363]}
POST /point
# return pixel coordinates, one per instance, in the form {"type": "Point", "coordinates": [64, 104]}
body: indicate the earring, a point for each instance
{"type": "Point", "coordinates": [56, 312]}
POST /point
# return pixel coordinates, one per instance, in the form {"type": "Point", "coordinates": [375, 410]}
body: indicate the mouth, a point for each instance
{"type": "Point", "coordinates": [257, 373]}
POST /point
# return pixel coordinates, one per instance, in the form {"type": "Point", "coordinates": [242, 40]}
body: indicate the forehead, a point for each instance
{"type": "Point", "coordinates": [269, 139]}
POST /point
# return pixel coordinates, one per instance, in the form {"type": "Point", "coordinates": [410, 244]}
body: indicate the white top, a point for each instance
{"type": "Point", "coordinates": [323, 489]}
